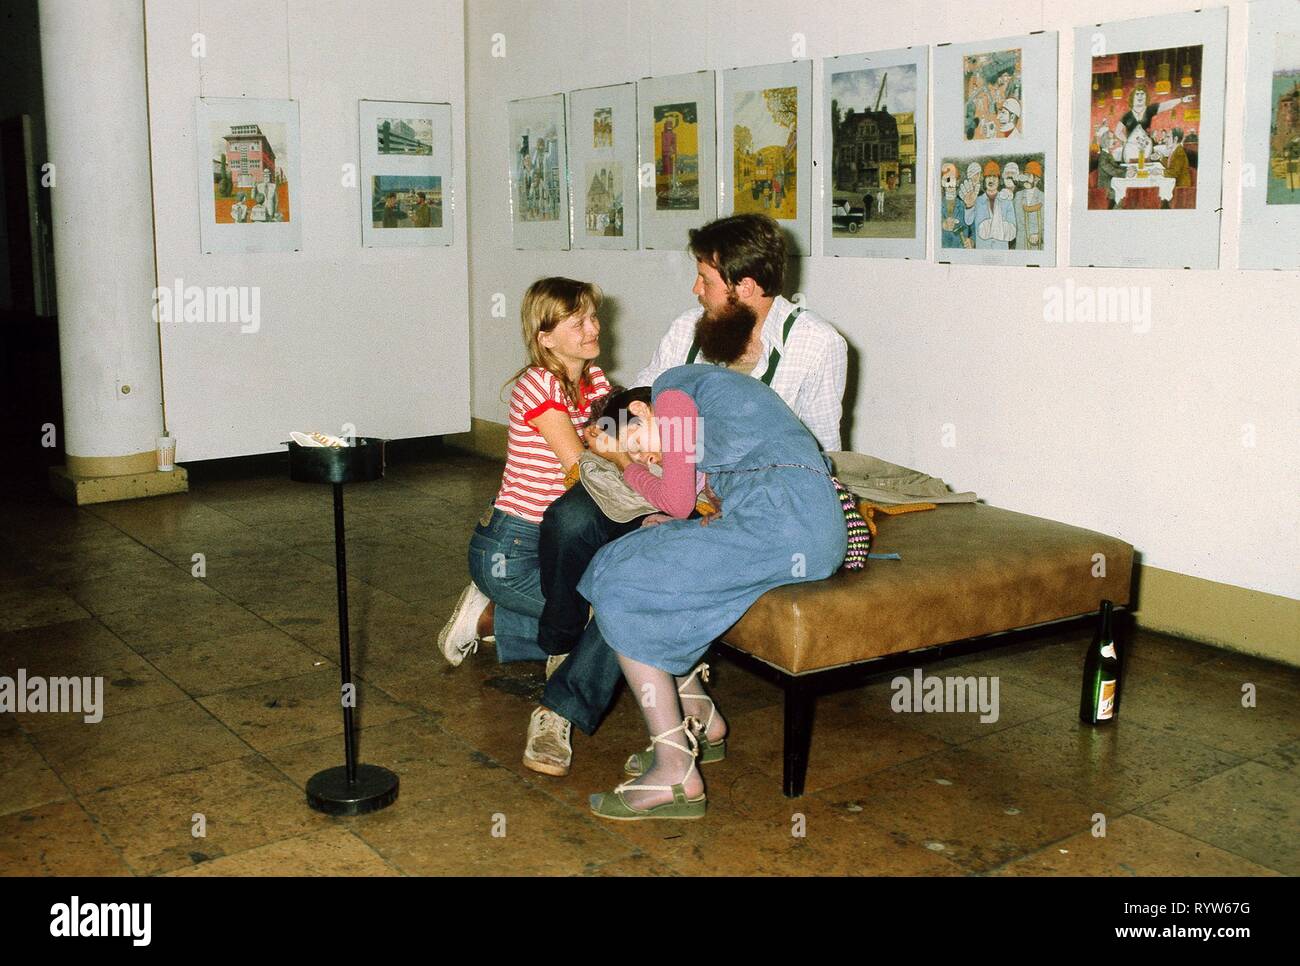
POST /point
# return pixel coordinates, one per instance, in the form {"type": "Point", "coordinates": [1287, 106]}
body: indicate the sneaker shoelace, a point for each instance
{"type": "Point", "coordinates": [554, 725]}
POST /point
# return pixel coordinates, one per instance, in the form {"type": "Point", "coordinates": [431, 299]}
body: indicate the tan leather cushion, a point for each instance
{"type": "Point", "coordinates": [967, 570]}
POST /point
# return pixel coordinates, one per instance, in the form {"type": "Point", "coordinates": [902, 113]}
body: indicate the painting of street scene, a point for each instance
{"type": "Point", "coordinates": [605, 199]}
{"type": "Point", "coordinates": [873, 153]}
{"type": "Point", "coordinates": [677, 131]}
{"type": "Point", "coordinates": [411, 135]}
{"type": "Point", "coordinates": [766, 158]}
{"type": "Point", "coordinates": [1145, 130]}
{"type": "Point", "coordinates": [993, 203]}
{"type": "Point", "coordinates": [1284, 132]}
{"type": "Point", "coordinates": [602, 127]}
{"type": "Point", "coordinates": [406, 201]}
{"type": "Point", "coordinates": [994, 99]}
{"type": "Point", "coordinates": [249, 173]}
{"type": "Point", "coordinates": [537, 173]}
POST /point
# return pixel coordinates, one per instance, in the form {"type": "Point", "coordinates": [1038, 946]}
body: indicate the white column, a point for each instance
{"type": "Point", "coordinates": [92, 56]}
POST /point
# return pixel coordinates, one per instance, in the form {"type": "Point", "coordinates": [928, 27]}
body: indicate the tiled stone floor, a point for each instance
{"type": "Point", "coordinates": [221, 700]}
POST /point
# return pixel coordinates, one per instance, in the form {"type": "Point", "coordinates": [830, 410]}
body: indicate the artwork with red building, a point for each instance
{"type": "Point", "coordinates": [249, 174]}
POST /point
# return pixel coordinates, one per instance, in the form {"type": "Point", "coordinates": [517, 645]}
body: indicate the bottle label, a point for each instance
{"type": "Point", "coordinates": [1106, 700]}
{"type": "Point", "coordinates": [1108, 650]}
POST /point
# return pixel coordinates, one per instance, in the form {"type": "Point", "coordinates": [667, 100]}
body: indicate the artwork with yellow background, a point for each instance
{"type": "Point", "coordinates": [677, 157]}
{"type": "Point", "coordinates": [766, 157]}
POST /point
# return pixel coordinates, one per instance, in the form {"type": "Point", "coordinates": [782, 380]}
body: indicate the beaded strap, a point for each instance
{"type": "Point", "coordinates": [859, 535]}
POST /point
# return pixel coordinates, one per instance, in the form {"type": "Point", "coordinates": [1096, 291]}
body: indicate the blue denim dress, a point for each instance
{"type": "Point", "coordinates": [663, 594]}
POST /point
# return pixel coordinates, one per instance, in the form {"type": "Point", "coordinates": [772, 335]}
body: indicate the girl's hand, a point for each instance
{"type": "Point", "coordinates": [606, 447]}
{"type": "Point", "coordinates": [599, 441]}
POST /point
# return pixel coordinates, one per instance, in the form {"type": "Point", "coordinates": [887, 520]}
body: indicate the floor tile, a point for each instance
{"type": "Point", "coordinates": [137, 745]}
{"type": "Point", "coordinates": [56, 839]}
{"type": "Point", "coordinates": [1132, 846]}
{"type": "Point", "coordinates": [1251, 810]}
{"type": "Point", "coordinates": [243, 803]}
{"type": "Point", "coordinates": [296, 709]}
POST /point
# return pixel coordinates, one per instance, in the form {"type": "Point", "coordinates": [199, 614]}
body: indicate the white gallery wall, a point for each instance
{"type": "Point", "coordinates": [373, 337]}
{"type": "Point", "coordinates": [1180, 439]}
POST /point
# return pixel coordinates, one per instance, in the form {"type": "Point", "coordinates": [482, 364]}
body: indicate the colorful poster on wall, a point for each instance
{"type": "Point", "coordinates": [995, 136]}
{"type": "Point", "coordinates": [405, 176]}
{"type": "Point", "coordinates": [766, 145]}
{"type": "Point", "coordinates": [1284, 137]}
{"type": "Point", "coordinates": [248, 181]}
{"type": "Point", "coordinates": [602, 157]}
{"type": "Point", "coordinates": [994, 94]}
{"type": "Point", "coordinates": [874, 159]}
{"type": "Point", "coordinates": [992, 203]}
{"type": "Point", "coordinates": [539, 173]}
{"type": "Point", "coordinates": [1146, 129]}
{"type": "Point", "coordinates": [676, 138]}
{"type": "Point", "coordinates": [1270, 184]}
{"type": "Point", "coordinates": [1147, 142]}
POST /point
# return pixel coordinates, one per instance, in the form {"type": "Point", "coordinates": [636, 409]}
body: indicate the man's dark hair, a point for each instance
{"type": "Point", "coordinates": [743, 246]}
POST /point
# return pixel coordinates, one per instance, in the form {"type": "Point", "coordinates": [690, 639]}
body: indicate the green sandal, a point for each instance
{"type": "Point", "coordinates": [639, 762]}
{"type": "Point", "coordinates": [613, 805]}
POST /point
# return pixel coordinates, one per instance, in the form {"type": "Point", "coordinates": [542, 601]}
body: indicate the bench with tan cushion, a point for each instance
{"type": "Point", "coordinates": [967, 570]}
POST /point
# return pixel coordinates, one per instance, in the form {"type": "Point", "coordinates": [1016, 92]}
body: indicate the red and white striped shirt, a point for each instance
{"type": "Point", "coordinates": [533, 478]}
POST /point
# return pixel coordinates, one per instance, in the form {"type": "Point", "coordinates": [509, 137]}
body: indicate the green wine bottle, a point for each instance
{"type": "Point", "coordinates": [1101, 673]}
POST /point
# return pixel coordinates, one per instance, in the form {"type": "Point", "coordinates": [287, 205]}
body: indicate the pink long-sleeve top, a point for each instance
{"type": "Point", "coordinates": [674, 493]}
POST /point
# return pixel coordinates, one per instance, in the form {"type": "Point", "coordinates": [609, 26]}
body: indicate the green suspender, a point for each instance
{"type": "Point", "coordinates": [773, 360]}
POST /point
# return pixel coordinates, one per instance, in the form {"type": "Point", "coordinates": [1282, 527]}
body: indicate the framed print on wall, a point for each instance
{"type": "Point", "coordinates": [406, 189]}
{"type": "Point", "coordinates": [766, 163]}
{"type": "Point", "coordinates": [994, 164]}
{"type": "Point", "coordinates": [1270, 184]}
{"type": "Point", "coordinates": [602, 157]}
{"type": "Point", "coordinates": [874, 159]}
{"type": "Point", "coordinates": [677, 137]}
{"type": "Point", "coordinates": [1147, 141]}
{"type": "Point", "coordinates": [247, 168]}
{"type": "Point", "coordinates": [539, 173]}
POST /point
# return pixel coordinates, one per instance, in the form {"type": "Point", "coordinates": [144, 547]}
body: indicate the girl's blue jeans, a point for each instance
{"type": "Point", "coordinates": [503, 562]}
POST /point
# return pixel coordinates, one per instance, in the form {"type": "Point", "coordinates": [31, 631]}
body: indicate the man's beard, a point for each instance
{"type": "Point", "coordinates": [724, 335]}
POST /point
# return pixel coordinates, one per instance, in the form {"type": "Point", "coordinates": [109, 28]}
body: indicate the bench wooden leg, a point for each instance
{"type": "Point", "coordinates": [799, 699]}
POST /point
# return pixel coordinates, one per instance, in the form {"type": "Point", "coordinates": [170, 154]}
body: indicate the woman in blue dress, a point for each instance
{"type": "Point", "coordinates": [663, 594]}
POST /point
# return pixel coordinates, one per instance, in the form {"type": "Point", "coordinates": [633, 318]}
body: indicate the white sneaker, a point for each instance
{"type": "Point", "coordinates": [549, 750]}
{"type": "Point", "coordinates": [553, 662]}
{"type": "Point", "coordinates": [459, 636]}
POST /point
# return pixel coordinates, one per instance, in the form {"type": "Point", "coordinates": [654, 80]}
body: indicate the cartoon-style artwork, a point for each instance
{"type": "Point", "coordinates": [993, 203]}
{"type": "Point", "coordinates": [406, 201]}
{"type": "Point", "coordinates": [250, 183]}
{"type": "Point", "coordinates": [1284, 130]}
{"type": "Point", "coordinates": [994, 98]}
{"type": "Point", "coordinates": [404, 135]}
{"type": "Point", "coordinates": [1145, 130]}
{"type": "Point", "coordinates": [602, 127]}
{"type": "Point", "coordinates": [676, 134]}
{"type": "Point", "coordinates": [766, 157]}
{"type": "Point", "coordinates": [605, 199]}
{"type": "Point", "coordinates": [873, 153]}
{"type": "Point", "coordinates": [537, 174]}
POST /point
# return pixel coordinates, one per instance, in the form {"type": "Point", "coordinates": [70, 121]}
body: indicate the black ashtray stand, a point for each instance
{"type": "Point", "coordinates": [348, 789]}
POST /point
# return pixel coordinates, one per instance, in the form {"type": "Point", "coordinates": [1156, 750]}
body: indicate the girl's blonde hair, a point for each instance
{"type": "Point", "coordinates": [547, 303]}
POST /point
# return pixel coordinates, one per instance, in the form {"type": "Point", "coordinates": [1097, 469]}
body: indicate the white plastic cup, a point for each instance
{"type": "Point", "coordinates": [166, 454]}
